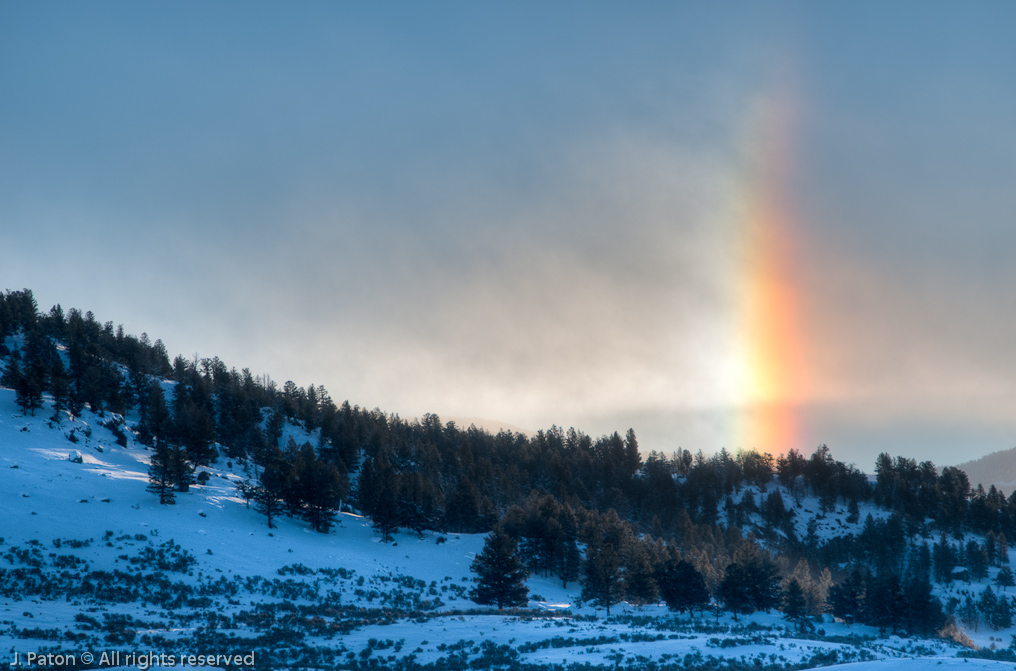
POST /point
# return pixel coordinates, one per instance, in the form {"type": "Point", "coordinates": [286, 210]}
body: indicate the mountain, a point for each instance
{"type": "Point", "coordinates": [997, 468]}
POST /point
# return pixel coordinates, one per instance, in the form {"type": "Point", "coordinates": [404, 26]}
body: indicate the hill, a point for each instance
{"type": "Point", "coordinates": [94, 563]}
{"type": "Point", "coordinates": [997, 468]}
{"type": "Point", "coordinates": [187, 508]}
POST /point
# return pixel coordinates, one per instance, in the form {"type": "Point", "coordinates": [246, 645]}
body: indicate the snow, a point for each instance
{"type": "Point", "coordinates": [99, 512]}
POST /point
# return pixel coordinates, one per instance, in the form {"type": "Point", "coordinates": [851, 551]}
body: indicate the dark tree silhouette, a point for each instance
{"type": "Point", "coordinates": [749, 587]}
{"type": "Point", "coordinates": [795, 606]}
{"type": "Point", "coordinates": [682, 586]}
{"type": "Point", "coordinates": [500, 576]}
{"type": "Point", "coordinates": [269, 490]}
{"type": "Point", "coordinates": [162, 474]}
{"type": "Point", "coordinates": [601, 570]}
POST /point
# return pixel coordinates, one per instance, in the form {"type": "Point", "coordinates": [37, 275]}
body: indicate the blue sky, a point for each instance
{"type": "Point", "coordinates": [522, 211]}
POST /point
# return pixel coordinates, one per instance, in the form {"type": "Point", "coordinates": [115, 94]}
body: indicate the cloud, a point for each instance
{"type": "Point", "coordinates": [606, 286]}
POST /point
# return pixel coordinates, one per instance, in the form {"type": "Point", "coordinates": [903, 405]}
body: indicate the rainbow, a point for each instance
{"type": "Point", "coordinates": [769, 351]}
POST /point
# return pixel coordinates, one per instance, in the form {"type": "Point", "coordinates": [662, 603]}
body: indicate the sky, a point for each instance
{"type": "Point", "coordinates": [725, 225]}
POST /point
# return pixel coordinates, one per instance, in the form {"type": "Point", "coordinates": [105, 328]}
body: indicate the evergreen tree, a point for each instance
{"type": "Point", "coordinates": [1001, 616]}
{"type": "Point", "coordinates": [923, 610]}
{"type": "Point", "coordinates": [639, 582]}
{"type": "Point", "coordinates": [750, 586]}
{"type": "Point", "coordinates": [795, 606]}
{"type": "Point", "coordinates": [273, 427]}
{"type": "Point", "coordinates": [885, 603]}
{"type": "Point", "coordinates": [853, 512]}
{"type": "Point", "coordinates": [1002, 543]}
{"type": "Point", "coordinates": [571, 558]}
{"type": "Point", "coordinates": [601, 571]}
{"type": "Point", "coordinates": [977, 560]}
{"type": "Point", "coordinates": [988, 603]}
{"type": "Point", "coordinates": [193, 426]}
{"type": "Point", "coordinates": [385, 514]}
{"type": "Point", "coordinates": [156, 423]}
{"type": "Point", "coordinates": [162, 474]}
{"type": "Point", "coordinates": [183, 471]}
{"type": "Point", "coordinates": [12, 373]}
{"type": "Point", "coordinates": [246, 489]}
{"type": "Point", "coordinates": [944, 558]}
{"type": "Point", "coordinates": [734, 591]}
{"type": "Point", "coordinates": [25, 382]}
{"type": "Point", "coordinates": [500, 576]}
{"type": "Point", "coordinates": [462, 511]}
{"type": "Point", "coordinates": [60, 387]}
{"type": "Point", "coordinates": [847, 598]}
{"type": "Point", "coordinates": [35, 370]}
{"type": "Point", "coordinates": [321, 488]}
{"type": "Point", "coordinates": [682, 586]}
{"type": "Point", "coordinates": [268, 493]}
{"type": "Point", "coordinates": [1005, 578]}
{"type": "Point", "coordinates": [969, 613]}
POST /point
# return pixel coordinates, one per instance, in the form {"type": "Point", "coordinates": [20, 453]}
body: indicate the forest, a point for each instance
{"type": "Point", "coordinates": [699, 532]}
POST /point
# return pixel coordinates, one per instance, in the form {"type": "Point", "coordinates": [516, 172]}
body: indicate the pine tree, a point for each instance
{"type": "Point", "coordinates": [638, 581]}
{"type": "Point", "coordinates": [246, 489]}
{"type": "Point", "coordinates": [193, 426]}
{"type": "Point", "coordinates": [884, 603]}
{"type": "Point", "coordinates": [944, 559]}
{"type": "Point", "coordinates": [385, 514]}
{"type": "Point", "coordinates": [273, 427]}
{"type": "Point", "coordinates": [35, 370]}
{"type": "Point", "coordinates": [12, 372]}
{"type": "Point", "coordinates": [1005, 578]}
{"type": "Point", "coordinates": [977, 560]}
{"type": "Point", "coordinates": [500, 576]}
{"type": "Point", "coordinates": [847, 598]}
{"type": "Point", "coordinates": [988, 603]}
{"type": "Point", "coordinates": [183, 471]}
{"type": "Point", "coordinates": [24, 379]}
{"type": "Point", "coordinates": [268, 492]}
{"type": "Point", "coordinates": [795, 606]}
{"type": "Point", "coordinates": [750, 586]}
{"type": "Point", "coordinates": [462, 510]}
{"type": "Point", "coordinates": [60, 387]}
{"type": "Point", "coordinates": [923, 610]}
{"type": "Point", "coordinates": [734, 591]}
{"type": "Point", "coordinates": [571, 558]}
{"type": "Point", "coordinates": [853, 512]}
{"type": "Point", "coordinates": [162, 475]}
{"type": "Point", "coordinates": [682, 586]}
{"type": "Point", "coordinates": [156, 423]}
{"type": "Point", "coordinates": [969, 614]}
{"type": "Point", "coordinates": [602, 574]}
{"type": "Point", "coordinates": [1001, 616]}
{"type": "Point", "coordinates": [321, 489]}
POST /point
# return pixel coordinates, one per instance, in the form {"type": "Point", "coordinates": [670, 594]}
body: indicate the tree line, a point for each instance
{"type": "Point", "coordinates": [584, 509]}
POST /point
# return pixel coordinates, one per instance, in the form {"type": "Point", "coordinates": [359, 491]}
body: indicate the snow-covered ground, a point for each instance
{"type": "Point", "coordinates": [91, 563]}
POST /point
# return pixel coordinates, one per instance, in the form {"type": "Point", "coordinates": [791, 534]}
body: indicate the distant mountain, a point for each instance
{"type": "Point", "coordinates": [997, 468]}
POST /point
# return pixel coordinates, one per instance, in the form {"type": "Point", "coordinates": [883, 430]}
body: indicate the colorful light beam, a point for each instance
{"type": "Point", "coordinates": [773, 372]}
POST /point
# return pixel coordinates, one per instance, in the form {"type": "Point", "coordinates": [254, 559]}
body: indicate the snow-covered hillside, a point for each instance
{"type": "Point", "coordinates": [91, 563]}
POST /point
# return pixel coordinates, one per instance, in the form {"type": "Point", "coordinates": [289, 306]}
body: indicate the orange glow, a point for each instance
{"type": "Point", "coordinates": [774, 377]}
